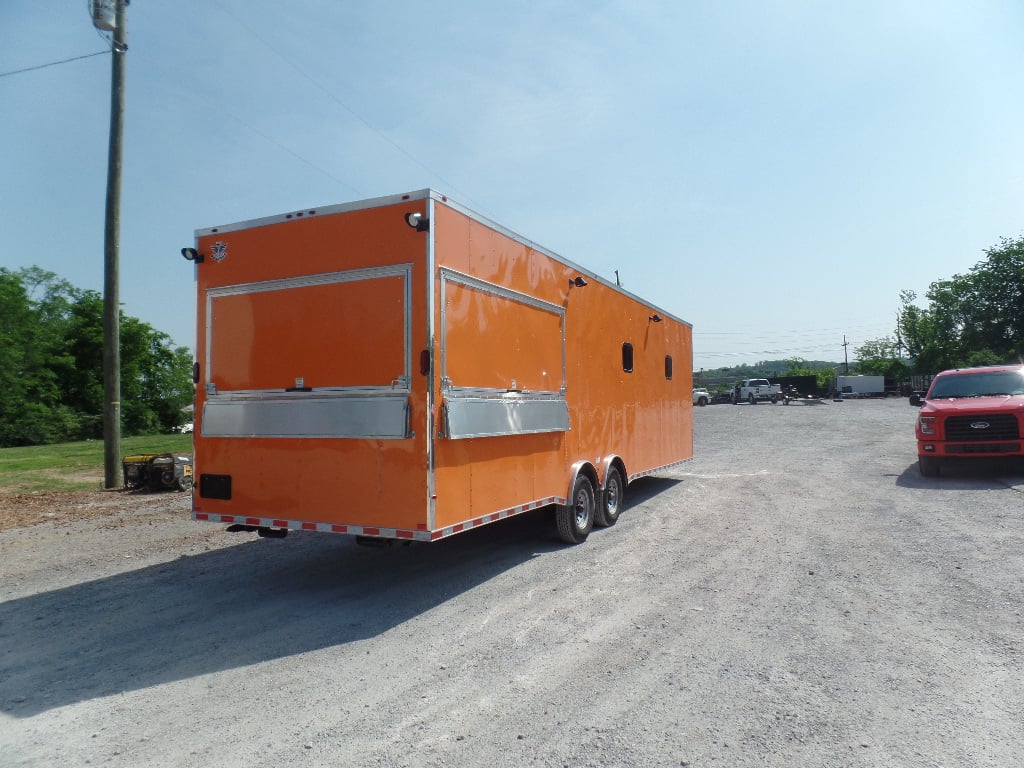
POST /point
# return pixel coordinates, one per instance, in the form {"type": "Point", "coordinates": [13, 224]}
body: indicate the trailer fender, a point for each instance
{"type": "Point", "coordinates": [612, 460]}
{"type": "Point", "coordinates": [575, 518]}
{"type": "Point", "coordinates": [612, 493]}
{"type": "Point", "coordinates": [585, 468]}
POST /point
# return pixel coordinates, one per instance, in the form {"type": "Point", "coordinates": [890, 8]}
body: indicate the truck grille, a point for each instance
{"type": "Point", "coordinates": [1001, 426]}
{"type": "Point", "coordinates": [983, 448]}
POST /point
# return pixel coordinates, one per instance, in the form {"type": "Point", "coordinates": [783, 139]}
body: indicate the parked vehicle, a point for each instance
{"type": "Point", "coordinates": [970, 413]}
{"type": "Point", "coordinates": [701, 396]}
{"type": "Point", "coordinates": [860, 386]}
{"type": "Point", "coordinates": [793, 395]}
{"type": "Point", "coordinates": [405, 369]}
{"type": "Point", "coordinates": [756, 390]}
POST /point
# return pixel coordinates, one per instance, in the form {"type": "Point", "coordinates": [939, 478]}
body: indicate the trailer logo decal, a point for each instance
{"type": "Point", "coordinates": [219, 252]}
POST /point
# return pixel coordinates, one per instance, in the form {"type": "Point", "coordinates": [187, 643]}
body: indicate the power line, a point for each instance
{"type": "Point", "coordinates": [331, 95]}
{"type": "Point", "coordinates": [52, 64]}
{"type": "Point", "coordinates": [296, 155]}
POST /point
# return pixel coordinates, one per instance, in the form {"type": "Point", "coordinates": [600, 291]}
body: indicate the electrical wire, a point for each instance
{"type": "Point", "coordinates": [294, 154]}
{"type": "Point", "coordinates": [345, 106]}
{"type": "Point", "coordinates": [52, 64]}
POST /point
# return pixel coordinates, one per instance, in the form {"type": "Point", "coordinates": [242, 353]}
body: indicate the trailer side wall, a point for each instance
{"type": "Point", "coordinates": [641, 416]}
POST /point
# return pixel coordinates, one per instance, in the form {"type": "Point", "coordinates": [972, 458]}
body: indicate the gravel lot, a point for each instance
{"type": "Point", "coordinates": [797, 595]}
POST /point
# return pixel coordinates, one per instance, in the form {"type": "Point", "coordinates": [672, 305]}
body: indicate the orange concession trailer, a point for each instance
{"type": "Point", "coordinates": [402, 368]}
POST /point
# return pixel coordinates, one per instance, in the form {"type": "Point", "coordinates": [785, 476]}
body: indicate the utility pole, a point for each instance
{"type": "Point", "coordinates": [111, 258]}
{"type": "Point", "coordinates": [846, 360]}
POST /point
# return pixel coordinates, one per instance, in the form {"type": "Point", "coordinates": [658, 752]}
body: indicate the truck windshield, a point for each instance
{"type": "Point", "coordinates": [987, 384]}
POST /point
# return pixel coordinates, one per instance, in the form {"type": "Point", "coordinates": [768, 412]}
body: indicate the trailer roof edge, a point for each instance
{"type": "Point", "coordinates": [425, 194]}
{"type": "Point", "coordinates": [590, 275]}
{"type": "Point", "coordinates": [316, 211]}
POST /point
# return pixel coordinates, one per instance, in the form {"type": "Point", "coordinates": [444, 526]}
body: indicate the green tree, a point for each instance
{"type": "Point", "coordinates": [15, 322]}
{"type": "Point", "coordinates": [881, 357]}
{"type": "Point", "coordinates": [51, 365]}
{"type": "Point", "coordinates": [822, 372]}
{"type": "Point", "coordinates": [156, 380]}
{"type": "Point", "coordinates": [995, 288]}
{"type": "Point", "coordinates": [31, 411]}
{"type": "Point", "coordinates": [78, 359]}
{"type": "Point", "coordinates": [972, 319]}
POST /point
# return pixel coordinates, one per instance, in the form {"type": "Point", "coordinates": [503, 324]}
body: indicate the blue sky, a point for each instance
{"type": "Point", "coordinates": [773, 172]}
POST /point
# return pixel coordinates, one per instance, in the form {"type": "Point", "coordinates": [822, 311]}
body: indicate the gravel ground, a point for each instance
{"type": "Point", "coordinates": [797, 595]}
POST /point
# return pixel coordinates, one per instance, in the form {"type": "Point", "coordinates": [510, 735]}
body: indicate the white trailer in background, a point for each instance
{"type": "Point", "coordinates": [860, 386]}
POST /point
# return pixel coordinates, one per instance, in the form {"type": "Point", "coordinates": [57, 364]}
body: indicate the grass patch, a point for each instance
{"type": "Point", "coordinates": [74, 466]}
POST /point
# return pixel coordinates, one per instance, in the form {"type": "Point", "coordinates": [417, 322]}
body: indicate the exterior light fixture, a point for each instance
{"type": "Point", "coordinates": [191, 254]}
{"type": "Point", "coordinates": [655, 318]}
{"type": "Point", "coordinates": [579, 282]}
{"type": "Point", "coordinates": [417, 221]}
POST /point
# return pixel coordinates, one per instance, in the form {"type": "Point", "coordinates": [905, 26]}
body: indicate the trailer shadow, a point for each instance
{"type": "Point", "coordinates": [240, 605]}
{"type": "Point", "coordinates": [646, 488]}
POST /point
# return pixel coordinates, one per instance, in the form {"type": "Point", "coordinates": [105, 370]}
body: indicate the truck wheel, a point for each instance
{"type": "Point", "coordinates": [702, 402]}
{"type": "Point", "coordinates": [576, 519]}
{"type": "Point", "coordinates": [929, 466]}
{"type": "Point", "coordinates": [751, 399]}
{"type": "Point", "coordinates": [775, 399]}
{"type": "Point", "coordinates": [607, 512]}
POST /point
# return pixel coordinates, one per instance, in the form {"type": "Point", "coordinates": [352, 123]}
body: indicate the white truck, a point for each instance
{"type": "Point", "coordinates": [753, 390]}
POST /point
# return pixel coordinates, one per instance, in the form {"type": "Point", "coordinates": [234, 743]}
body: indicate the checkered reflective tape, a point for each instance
{"type": "Point", "coordinates": [376, 531]}
{"type": "Point", "coordinates": [495, 516]}
{"type": "Point", "coordinates": [659, 470]}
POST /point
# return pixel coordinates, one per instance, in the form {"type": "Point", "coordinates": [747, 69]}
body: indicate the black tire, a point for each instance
{"type": "Point", "coordinates": [702, 401]}
{"type": "Point", "coordinates": [751, 399]}
{"type": "Point", "coordinates": [608, 511]}
{"type": "Point", "coordinates": [775, 399]}
{"type": "Point", "coordinates": [929, 466]}
{"type": "Point", "coordinates": [185, 483]}
{"type": "Point", "coordinates": [576, 519]}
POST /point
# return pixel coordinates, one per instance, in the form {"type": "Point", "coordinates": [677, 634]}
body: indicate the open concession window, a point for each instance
{"type": "Point", "coordinates": [316, 356]}
{"type": "Point", "coordinates": [502, 360]}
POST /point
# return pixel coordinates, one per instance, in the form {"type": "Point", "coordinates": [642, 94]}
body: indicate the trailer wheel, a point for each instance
{"type": "Point", "coordinates": [929, 466]}
{"type": "Point", "coordinates": [576, 519]}
{"type": "Point", "coordinates": [608, 510]}
{"type": "Point", "coordinates": [185, 483]}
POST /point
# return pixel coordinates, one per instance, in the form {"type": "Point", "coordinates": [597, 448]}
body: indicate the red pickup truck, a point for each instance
{"type": "Point", "coordinates": [970, 413]}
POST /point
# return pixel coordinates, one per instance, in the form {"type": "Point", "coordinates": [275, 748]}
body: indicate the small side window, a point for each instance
{"type": "Point", "coordinates": [627, 357]}
{"type": "Point", "coordinates": [668, 367]}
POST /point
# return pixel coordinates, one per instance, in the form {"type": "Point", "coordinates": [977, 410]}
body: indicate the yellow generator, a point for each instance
{"type": "Point", "coordinates": [158, 471]}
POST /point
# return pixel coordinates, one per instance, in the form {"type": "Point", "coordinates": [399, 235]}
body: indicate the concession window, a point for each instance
{"type": "Point", "coordinates": [502, 360]}
{"type": "Point", "coordinates": [324, 355]}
